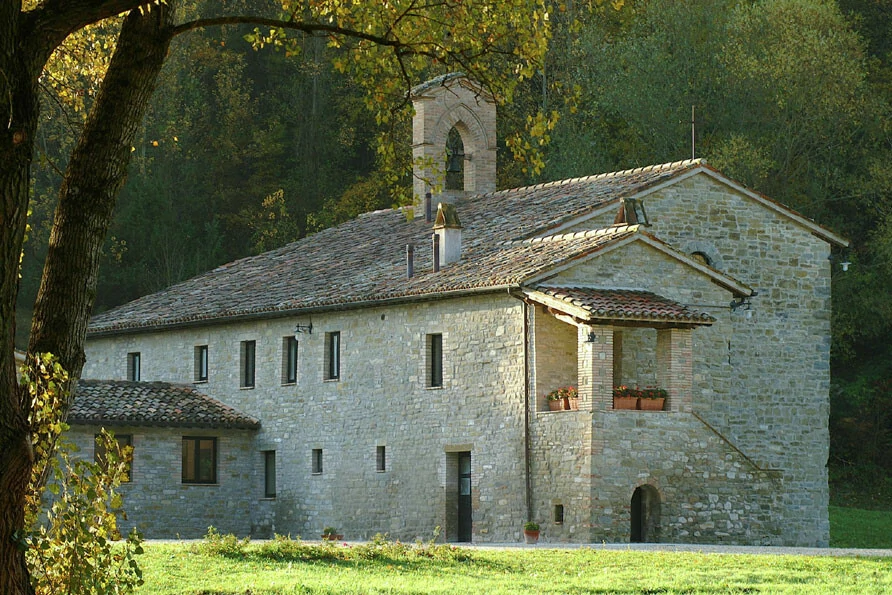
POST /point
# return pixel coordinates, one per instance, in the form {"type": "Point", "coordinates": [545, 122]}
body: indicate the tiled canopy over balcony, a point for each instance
{"type": "Point", "coordinates": [585, 323]}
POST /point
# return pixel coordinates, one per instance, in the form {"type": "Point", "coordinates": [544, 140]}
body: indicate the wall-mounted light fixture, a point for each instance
{"type": "Point", "coordinates": [304, 328]}
{"type": "Point", "coordinates": [843, 259]}
{"type": "Point", "coordinates": [592, 337]}
{"type": "Point", "coordinates": [740, 303]}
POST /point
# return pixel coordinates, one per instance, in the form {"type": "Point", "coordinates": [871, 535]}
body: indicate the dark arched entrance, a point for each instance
{"type": "Point", "coordinates": [645, 515]}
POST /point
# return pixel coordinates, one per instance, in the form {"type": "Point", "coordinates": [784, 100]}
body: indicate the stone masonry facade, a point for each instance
{"type": "Point", "coordinates": [721, 297]}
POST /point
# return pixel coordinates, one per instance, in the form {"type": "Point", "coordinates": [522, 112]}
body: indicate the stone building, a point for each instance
{"type": "Point", "coordinates": [398, 364]}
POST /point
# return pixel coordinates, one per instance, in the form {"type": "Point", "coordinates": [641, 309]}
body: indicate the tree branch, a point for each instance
{"type": "Point", "coordinates": [305, 27]}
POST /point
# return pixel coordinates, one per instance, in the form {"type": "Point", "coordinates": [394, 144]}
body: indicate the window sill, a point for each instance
{"type": "Point", "coordinates": [331, 380]}
{"type": "Point", "coordinates": [199, 382]}
{"type": "Point", "coordinates": [246, 388]}
{"type": "Point", "coordinates": [316, 473]}
{"type": "Point", "coordinates": [380, 470]}
{"type": "Point", "coordinates": [267, 499]}
{"type": "Point", "coordinates": [289, 384]}
{"type": "Point", "coordinates": [434, 387]}
{"type": "Point", "coordinates": [200, 485]}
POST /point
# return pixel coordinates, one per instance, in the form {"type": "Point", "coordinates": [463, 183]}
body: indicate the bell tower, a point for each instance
{"type": "Point", "coordinates": [454, 131]}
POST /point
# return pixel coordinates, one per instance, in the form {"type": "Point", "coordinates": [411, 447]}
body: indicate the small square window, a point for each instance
{"type": "Point", "coordinates": [201, 363]}
{"type": "Point", "coordinates": [317, 461]}
{"type": "Point", "coordinates": [134, 363]}
{"type": "Point", "coordinates": [199, 460]}
{"type": "Point", "coordinates": [333, 356]}
{"type": "Point", "coordinates": [248, 349]}
{"type": "Point", "coordinates": [124, 441]}
{"type": "Point", "coordinates": [269, 474]}
{"type": "Point", "coordinates": [289, 360]}
{"type": "Point", "coordinates": [381, 459]}
{"type": "Point", "coordinates": [435, 360]}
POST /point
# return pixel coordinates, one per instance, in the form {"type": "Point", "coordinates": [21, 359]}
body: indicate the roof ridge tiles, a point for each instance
{"type": "Point", "coordinates": [602, 176]}
{"type": "Point", "coordinates": [586, 233]}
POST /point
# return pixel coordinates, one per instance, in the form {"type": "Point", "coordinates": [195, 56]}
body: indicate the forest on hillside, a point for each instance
{"type": "Point", "coordinates": [243, 150]}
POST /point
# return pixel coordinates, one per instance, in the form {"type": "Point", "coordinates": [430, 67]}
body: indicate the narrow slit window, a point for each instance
{"type": "Point", "coordinates": [558, 514]}
{"type": "Point", "coordinates": [435, 360]}
{"type": "Point", "coordinates": [248, 351]}
{"type": "Point", "coordinates": [201, 363]}
{"type": "Point", "coordinates": [317, 461]}
{"type": "Point", "coordinates": [269, 473]}
{"type": "Point", "coordinates": [333, 356]}
{"type": "Point", "coordinates": [289, 360]}
{"type": "Point", "coordinates": [134, 363]}
{"type": "Point", "coordinates": [381, 459]}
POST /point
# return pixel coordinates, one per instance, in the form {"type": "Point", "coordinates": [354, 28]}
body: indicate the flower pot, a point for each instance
{"type": "Point", "coordinates": [556, 405]}
{"type": "Point", "coordinates": [651, 404]}
{"type": "Point", "coordinates": [530, 536]}
{"type": "Point", "coordinates": [625, 402]}
{"type": "Point", "coordinates": [573, 403]}
{"type": "Point", "coordinates": [332, 537]}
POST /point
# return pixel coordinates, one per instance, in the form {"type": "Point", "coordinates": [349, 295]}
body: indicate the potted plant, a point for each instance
{"type": "Point", "coordinates": [331, 534]}
{"type": "Point", "coordinates": [555, 401]}
{"type": "Point", "coordinates": [652, 399]}
{"type": "Point", "coordinates": [625, 397]}
{"type": "Point", "coordinates": [563, 399]}
{"type": "Point", "coordinates": [531, 532]}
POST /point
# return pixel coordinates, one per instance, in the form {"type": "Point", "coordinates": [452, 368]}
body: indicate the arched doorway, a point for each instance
{"type": "Point", "coordinates": [645, 515]}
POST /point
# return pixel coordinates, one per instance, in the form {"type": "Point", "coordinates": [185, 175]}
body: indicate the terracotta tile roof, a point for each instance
{"type": "Point", "coordinates": [625, 304]}
{"type": "Point", "coordinates": [363, 261]}
{"type": "Point", "coordinates": [119, 402]}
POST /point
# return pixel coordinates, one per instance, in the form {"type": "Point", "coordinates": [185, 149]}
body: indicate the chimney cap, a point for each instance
{"type": "Point", "coordinates": [447, 216]}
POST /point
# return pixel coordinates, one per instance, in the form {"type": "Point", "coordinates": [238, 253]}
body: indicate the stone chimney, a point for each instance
{"type": "Point", "coordinates": [448, 228]}
{"type": "Point", "coordinates": [442, 104]}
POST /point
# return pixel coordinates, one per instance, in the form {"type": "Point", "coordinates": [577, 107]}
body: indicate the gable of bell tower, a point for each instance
{"type": "Point", "coordinates": [454, 128]}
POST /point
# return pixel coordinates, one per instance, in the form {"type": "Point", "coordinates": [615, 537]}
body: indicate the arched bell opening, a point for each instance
{"type": "Point", "coordinates": [455, 161]}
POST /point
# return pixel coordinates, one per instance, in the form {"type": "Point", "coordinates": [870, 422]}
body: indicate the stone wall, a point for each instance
{"type": "Point", "coordinates": [767, 387]}
{"type": "Point", "coordinates": [381, 399]}
{"type": "Point", "coordinates": [161, 505]}
{"type": "Point", "coordinates": [592, 463]}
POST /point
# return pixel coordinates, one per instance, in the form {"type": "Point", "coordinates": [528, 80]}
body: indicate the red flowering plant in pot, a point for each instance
{"type": "Point", "coordinates": [564, 398]}
{"type": "Point", "coordinates": [625, 397]}
{"type": "Point", "coordinates": [652, 399]}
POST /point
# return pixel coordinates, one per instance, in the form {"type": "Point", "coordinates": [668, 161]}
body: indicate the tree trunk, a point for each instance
{"type": "Point", "coordinates": [18, 122]}
{"type": "Point", "coordinates": [95, 175]}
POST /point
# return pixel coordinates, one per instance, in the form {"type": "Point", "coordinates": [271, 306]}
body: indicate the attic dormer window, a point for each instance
{"type": "Point", "coordinates": [455, 161]}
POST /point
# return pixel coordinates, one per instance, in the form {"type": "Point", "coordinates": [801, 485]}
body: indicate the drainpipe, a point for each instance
{"type": "Point", "coordinates": [526, 410]}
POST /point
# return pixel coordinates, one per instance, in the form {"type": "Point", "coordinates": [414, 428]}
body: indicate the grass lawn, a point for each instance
{"type": "Point", "coordinates": [388, 568]}
{"type": "Point", "coordinates": [852, 527]}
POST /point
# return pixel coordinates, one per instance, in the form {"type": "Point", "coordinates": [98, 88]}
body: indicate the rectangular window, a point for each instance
{"type": "Point", "coordinates": [201, 363]}
{"type": "Point", "coordinates": [269, 474]}
{"type": "Point", "coordinates": [133, 366]}
{"type": "Point", "coordinates": [247, 363]}
{"type": "Point", "coordinates": [317, 461]}
{"type": "Point", "coordinates": [199, 460]}
{"type": "Point", "coordinates": [123, 440]}
{"type": "Point", "coordinates": [289, 360]}
{"type": "Point", "coordinates": [381, 459]}
{"type": "Point", "coordinates": [332, 356]}
{"type": "Point", "coordinates": [435, 360]}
